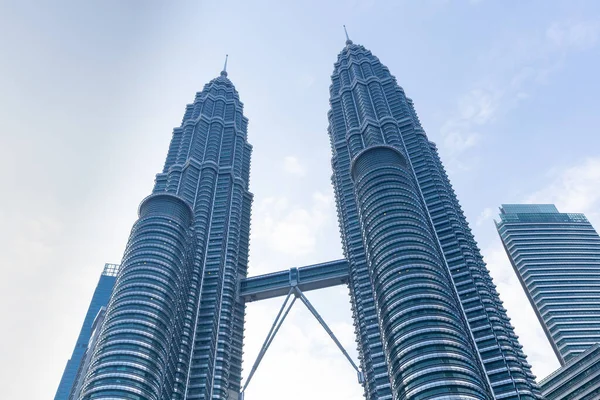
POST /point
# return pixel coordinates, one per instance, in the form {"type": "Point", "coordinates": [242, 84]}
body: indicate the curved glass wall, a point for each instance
{"type": "Point", "coordinates": [427, 342]}
{"type": "Point", "coordinates": [137, 350]}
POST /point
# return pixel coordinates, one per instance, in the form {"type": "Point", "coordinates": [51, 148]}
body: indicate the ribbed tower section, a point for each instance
{"type": "Point", "coordinates": [428, 317]}
{"type": "Point", "coordinates": [174, 325]}
{"type": "Point", "coordinates": [499, 347]}
{"type": "Point", "coordinates": [137, 352]}
{"type": "Point", "coordinates": [416, 312]}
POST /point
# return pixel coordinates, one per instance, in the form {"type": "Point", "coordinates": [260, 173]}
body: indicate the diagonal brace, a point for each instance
{"type": "Point", "coordinates": [274, 329]}
{"type": "Point", "coordinates": [324, 325]}
{"type": "Point", "coordinates": [277, 324]}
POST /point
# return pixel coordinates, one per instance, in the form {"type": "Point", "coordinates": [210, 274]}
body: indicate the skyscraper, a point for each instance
{"type": "Point", "coordinates": [174, 326]}
{"type": "Point", "coordinates": [428, 320]}
{"type": "Point", "coordinates": [557, 259]}
{"type": "Point", "coordinates": [87, 356]}
{"type": "Point", "coordinates": [578, 379]}
{"type": "Point", "coordinates": [427, 315]}
{"type": "Point", "coordinates": [99, 299]}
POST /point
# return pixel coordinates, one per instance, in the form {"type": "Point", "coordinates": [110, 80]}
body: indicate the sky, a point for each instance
{"type": "Point", "coordinates": [91, 91]}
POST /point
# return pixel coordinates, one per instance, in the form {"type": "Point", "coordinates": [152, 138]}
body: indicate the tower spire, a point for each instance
{"type": "Point", "coordinates": [348, 41]}
{"type": "Point", "coordinates": [224, 72]}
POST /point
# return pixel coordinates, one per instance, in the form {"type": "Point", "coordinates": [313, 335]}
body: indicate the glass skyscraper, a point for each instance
{"type": "Point", "coordinates": [428, 318]}
{"type": "Point", "coordinates": [87, 356]}
{"type": "Point", "coordinates": [429, 323]}
{"type": "Point", "coordinates": [578, 379]}
{"type": "Point", "coordinates": [557, 259]}
{"type": "Point", "coordinates": [174, 326]}
{"type": "Point", "coordinates": [99, 299]}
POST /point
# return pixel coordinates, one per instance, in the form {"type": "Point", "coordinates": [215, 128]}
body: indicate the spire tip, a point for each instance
{"type": "Point", "coordinates": [224, 72]}
{"type": "Point", "coordinates": [348, 41]}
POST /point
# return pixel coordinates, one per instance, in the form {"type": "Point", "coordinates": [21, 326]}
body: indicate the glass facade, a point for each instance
{"type": "Point", "coordinates": [174, 326]}
{"type": "Point", "coordinates": [578, 379]}
{"type": "Point", "coordinates": [85, 361]}
{"type": "Point", "coordinates": [428, 319]}
{"type": "Point", "coordinates": [557, 259]}
{"type": "Point", "coordinates": [99, 300]}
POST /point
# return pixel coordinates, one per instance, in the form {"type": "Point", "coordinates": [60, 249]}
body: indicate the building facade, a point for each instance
{"type": "Point", "coordinates": [174, 326]}
{"type": "Point", "coordinates": [556, 256]}
{"type": "Point", "coordinates": [428, 319]}
{"type": "Point", "coordinates": [99, 299]}
{"type": "Point", "coordinates": [578, 379]}
{"type": "Point", "coordinates": [87, 356]}
{"type": "Point", "coordinates": [429, 323]}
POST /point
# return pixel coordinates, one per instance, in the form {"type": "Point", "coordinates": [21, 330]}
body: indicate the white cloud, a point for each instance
{"type": "Point", "coordinates": [575, 189]}
{"type": "Point", "coordinates": [578, 35]}
{"type": "Point", "coordinates": [478, 107]}
{"type": "Point", "coordinates": [307, 80]}
{"type": "Point", "coordinates": [513, 68]}
{"type": "Point", "coordinates": [292, 166]}
{"type": "Point", "coordinates": [290, 229]}
{"type": "Point", "coordinates": [457, 139]}
{"type": "Point", "coordinates": [484, 216]}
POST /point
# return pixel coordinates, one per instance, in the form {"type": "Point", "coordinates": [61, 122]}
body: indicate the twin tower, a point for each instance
{"type": "Point", "coordinates": [429, 322]}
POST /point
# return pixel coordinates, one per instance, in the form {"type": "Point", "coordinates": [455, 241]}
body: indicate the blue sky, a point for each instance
{"type": "Point", "coordinates": [90, 93]}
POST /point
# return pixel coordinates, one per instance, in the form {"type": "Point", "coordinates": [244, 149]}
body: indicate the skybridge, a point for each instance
{"type": "Point", "coordinates": [292, 284]}
{"type": "Point", "coordinates": [311, 277]}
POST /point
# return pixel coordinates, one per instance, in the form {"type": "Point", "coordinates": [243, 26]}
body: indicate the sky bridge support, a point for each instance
{"type": "Point", "coordinates": [295, 293]}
